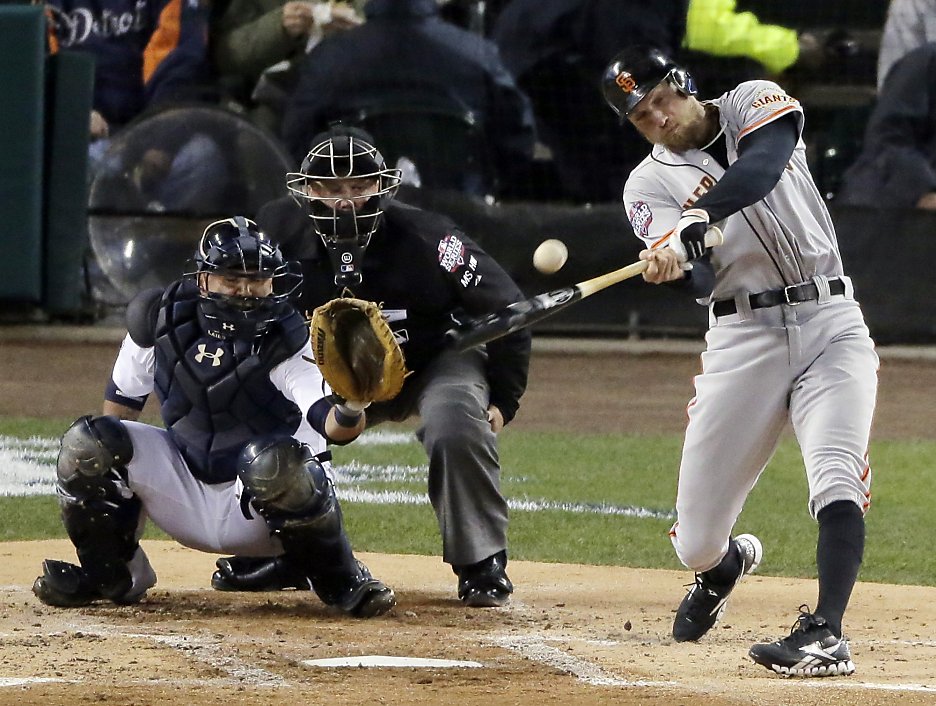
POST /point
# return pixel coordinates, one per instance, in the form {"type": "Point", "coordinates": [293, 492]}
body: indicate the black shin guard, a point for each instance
{"type": "Point", "coordinates": [100, 513]}
{"type": "Point", "coordinates": [839, 552]}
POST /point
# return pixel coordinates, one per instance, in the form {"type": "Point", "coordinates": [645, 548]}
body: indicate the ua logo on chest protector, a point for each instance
{"type": "Point", "coordinates": [215, 357]}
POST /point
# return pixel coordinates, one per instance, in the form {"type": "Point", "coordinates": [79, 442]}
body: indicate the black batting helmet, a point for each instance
{"type": "Point", "coordinates": [636, 71]}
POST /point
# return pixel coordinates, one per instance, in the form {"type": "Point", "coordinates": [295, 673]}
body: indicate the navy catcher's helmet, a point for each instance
{"type": "Point", "coordinates": [636, 71]}
{"type": "Point", "coordinates": [236, 247]}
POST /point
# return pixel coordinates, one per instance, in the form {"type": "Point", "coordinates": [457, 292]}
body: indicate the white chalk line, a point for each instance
{"type": "Point", "coordinates": [203, 649]}
{"type": "Point", "coordinates": [29, 469]}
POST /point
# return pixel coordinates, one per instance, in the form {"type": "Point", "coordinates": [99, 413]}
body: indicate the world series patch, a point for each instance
{"type": "Point", "coordinates": [640, 217]}
{"type": "Point", "coordinates": [451, 253]}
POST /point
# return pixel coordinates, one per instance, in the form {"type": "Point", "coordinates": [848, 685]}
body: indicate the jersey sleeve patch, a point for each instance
{"type": "Point", "coordinates": [451, 253]}
{"type": "Point", "coordinates": [640, 218]}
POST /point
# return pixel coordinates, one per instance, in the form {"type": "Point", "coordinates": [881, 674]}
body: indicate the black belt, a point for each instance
{"type": "Point", "coordinates": [794, 294]}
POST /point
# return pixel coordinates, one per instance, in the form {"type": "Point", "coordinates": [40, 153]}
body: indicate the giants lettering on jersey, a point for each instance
{"type": "Point", "coordinates": [640, 217]}
{"type": "Point", "coordinates": [767, 98]}
{"type": "Point", "coordinates": [705, 184]}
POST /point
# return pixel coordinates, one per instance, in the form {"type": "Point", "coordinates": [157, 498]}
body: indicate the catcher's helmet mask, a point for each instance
{"type": "Point", "coordinates": [341, 153]}
{"type": "Point", "coordinates": [236, 247]}
{"type": "Point", "coordinates": [636, 71]}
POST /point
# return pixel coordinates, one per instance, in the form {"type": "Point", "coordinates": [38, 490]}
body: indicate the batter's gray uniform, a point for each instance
{"type": "Point", "coordinates": [813, 362]}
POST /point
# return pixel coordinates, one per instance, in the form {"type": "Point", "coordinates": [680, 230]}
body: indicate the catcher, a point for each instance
{"type": "Point", "coordinates": [241, 465]}
{"type": "Point", "coordinates": [354, 240]}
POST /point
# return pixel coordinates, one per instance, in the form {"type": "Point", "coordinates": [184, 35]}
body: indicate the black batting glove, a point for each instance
{"type": "Point", "coordinates": [689, 238]}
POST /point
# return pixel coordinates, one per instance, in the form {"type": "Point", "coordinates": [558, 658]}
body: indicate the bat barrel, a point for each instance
{"type": "Point", "coordinates": [511, 318]}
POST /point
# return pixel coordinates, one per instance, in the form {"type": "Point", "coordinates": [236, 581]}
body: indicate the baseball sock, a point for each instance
{"type": "Point", "coordinates": [838, 558]}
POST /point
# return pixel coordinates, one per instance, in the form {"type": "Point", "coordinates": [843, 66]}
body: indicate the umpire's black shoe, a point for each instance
{"type": "Point", "coordinates": [248, 573]}
{"type": "Point", "coordinates": [65, 585]}
{"type": "Point", "coordinates": [485, 584]}
{"type": "Point", "coordinates": [356, 592]}
{"type": "Point", "coordinates": [705, 602]}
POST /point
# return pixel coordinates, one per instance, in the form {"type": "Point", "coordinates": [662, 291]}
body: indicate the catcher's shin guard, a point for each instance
{"type": "Point", "coordinates": [292, 492]}
{"type": "Point", "coordinates": [99, 511]}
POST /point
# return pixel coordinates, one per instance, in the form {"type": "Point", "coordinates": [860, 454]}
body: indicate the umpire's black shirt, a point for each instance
{"type": "Point", "coordinates": [426, 273]}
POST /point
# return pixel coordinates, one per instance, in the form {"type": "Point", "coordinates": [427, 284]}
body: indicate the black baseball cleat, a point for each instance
{"type": "Point", "coordinates": [356, 593]}
{"type": "Point", "coordinates": [485, 584]}
{"type": "Point", "coordinates": [65, 585]}
{"type": "Point", "coordinates": [705, 602]}
{"type": "Point", "coordinates": [810, 650]}
{"type": "Point", "coordinates": [247, 573]}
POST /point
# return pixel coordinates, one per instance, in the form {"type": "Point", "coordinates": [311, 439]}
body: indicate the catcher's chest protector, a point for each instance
{"type": "Point", "coordinates": [213, 398]}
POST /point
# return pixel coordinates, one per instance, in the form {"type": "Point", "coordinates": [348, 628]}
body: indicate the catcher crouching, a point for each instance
{"type": "Point", "coordinates": [241, 465]}
{"type": "Point", "coordinates": [356, 242]}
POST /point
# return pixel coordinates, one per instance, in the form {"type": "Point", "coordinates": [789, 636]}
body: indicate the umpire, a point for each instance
{"type": "Point", "coordinates": [353, 239]}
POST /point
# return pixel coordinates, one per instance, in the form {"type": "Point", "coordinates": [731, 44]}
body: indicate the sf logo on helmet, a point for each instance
{"type": "Point", "coordinates": [625, 81]}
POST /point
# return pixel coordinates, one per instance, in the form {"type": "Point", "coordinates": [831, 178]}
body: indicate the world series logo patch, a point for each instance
{"type": "Point", "coordinates": [640, 218]}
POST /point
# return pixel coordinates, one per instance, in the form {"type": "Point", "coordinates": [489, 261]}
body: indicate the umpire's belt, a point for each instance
{"type": "Point", "coordinates": [794, 294]}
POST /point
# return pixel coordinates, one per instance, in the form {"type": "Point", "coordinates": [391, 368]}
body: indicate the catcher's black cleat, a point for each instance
{"type": "Point", "coordinates": [65, 585]}
{"type": "Point", "coordinates": [705, 602]}
{"type": "Point", "coordinates": [357, 593]}
{"type": "Point", "coordinates": [810, 650]}
{"type": "Point", "coordinates": [485, 584]}
{"type": "Point", "coordinates": [245, 573]}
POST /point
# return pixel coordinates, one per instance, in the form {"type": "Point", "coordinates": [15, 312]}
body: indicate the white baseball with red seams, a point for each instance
{"type": "Point", "coordinates": [550, 256]}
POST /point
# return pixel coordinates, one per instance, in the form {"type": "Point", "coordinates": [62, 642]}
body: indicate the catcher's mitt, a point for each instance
{"type": "Point", "coordinates": [356, 351]}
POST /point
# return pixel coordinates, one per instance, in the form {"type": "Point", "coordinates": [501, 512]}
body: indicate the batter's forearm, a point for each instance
{"type": "Point", "coordinates": [764, 155]}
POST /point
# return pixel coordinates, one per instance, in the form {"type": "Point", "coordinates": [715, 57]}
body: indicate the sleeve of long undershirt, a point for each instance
{"type": "Point", "coordinates": [762, 156]}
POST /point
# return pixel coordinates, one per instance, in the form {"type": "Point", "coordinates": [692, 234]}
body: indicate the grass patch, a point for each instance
{"type": "Point", "coordinates": [622, 471]}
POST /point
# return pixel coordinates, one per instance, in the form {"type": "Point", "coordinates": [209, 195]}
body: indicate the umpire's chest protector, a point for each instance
{"type": "Point", "coordinates": [214, 396]}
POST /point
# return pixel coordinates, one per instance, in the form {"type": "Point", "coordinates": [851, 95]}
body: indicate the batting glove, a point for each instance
{"type": "Point", "coordinates": [689, 238]}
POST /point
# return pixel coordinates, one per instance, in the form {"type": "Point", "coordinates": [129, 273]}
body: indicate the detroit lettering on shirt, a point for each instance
{"type": "Point", "coordinates": [783, 239]}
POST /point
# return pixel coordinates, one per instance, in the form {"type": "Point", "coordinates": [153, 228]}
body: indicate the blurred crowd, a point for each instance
{"type": "Point", "coordinates": [497, 100]}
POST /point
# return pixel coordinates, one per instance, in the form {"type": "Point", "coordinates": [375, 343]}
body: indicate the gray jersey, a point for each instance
{"type": "Point", "coordinates": [785, 238]}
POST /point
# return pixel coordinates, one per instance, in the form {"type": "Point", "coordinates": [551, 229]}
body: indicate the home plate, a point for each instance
{"type": "Point", "coordinates": [385, 661]}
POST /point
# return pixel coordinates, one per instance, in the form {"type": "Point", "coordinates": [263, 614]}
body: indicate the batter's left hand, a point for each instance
{"type": "Point", "coordinates": [688, 241]}
{"type": "Point", "coordinates": [664, 266]}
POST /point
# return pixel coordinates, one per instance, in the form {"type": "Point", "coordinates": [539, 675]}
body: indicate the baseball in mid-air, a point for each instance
{"type": "Point", "coordinates": [550, 256]}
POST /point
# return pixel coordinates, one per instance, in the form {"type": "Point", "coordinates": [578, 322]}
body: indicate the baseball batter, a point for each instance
{"type": "Point", "coordinates": [786, 339]}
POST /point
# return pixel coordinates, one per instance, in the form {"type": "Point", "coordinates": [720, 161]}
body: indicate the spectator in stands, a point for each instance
{"type": "Point", "coordinates": [557, 50]}
{"type": "Point", "coordinates": [148, 53]}
{"type": "Point", "coordinates": [257, 45]}
{"type": "Point", "coordinates": [897, 164]}
{"type": "Point", "coordinates": [909, 24]}
{"type": "Point", "coordinates": [405, 46]}
{"type": "Point", "coordinates": [716, 28]}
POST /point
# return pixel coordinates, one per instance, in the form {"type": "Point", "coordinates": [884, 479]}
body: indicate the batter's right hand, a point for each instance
{"type": "Point", "coordinates": [664, 266]}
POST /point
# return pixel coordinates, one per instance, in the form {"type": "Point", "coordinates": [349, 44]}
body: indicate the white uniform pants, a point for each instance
{"type": "Point", "coordinates": [811, 363]}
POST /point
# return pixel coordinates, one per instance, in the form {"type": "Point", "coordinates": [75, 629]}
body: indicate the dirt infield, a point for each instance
{"type": "Point", "coordinates": [572, 635]}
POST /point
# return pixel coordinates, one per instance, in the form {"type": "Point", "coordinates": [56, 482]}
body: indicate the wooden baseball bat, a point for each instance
{"type": "Point", "coordinates": [528, 311]}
